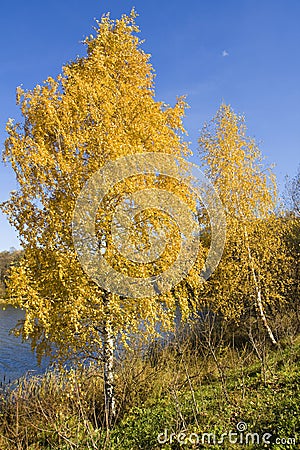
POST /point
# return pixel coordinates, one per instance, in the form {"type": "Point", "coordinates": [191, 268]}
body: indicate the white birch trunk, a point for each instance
{"type": "Point", "coordinates": [259, 303]}
{"type": "Point", "coordinates": [108, 359]}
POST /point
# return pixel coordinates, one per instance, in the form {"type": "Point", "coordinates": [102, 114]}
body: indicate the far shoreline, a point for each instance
{"type": "Point", "coordinates": [4, 302]}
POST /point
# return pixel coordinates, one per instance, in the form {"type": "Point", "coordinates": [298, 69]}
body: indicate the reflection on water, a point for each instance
{"type": "Point", "coordinates": [16, 357]}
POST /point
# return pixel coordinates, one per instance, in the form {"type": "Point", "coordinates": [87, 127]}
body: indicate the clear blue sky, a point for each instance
{"type": "Point", "coordinates": [242, 52]}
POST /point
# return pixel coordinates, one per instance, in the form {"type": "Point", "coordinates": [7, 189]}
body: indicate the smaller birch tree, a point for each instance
{"type": "Point", "coordinates": [254, 269]}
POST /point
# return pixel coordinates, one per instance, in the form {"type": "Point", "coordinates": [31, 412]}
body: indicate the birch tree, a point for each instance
{"type": "Point", "coordinates": [254, 267]}
{"type": "Point", "coordinates": [292, 223]}
{"type": "Point", "coordinates": [100, 108]}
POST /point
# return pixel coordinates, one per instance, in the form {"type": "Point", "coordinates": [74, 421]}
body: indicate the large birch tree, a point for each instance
{"type": "Point", "coordinates": [100, 108]}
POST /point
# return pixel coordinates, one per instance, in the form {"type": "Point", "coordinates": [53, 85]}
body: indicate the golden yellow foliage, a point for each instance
{"type": "Point", "coordinates": [101, 108]}
{"type": "Point", "coordinates": [254, 270]}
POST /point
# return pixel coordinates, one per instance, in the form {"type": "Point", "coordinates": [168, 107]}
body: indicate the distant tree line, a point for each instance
{"type": "Point", "coordinates": [7, 259]}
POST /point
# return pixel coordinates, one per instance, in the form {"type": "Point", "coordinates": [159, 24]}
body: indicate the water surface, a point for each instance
{"type": "Point", "coordinates": [16, 357]}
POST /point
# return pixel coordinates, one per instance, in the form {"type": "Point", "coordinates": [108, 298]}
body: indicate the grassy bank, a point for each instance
{"type": "Point", "coordinates": [172, 390]}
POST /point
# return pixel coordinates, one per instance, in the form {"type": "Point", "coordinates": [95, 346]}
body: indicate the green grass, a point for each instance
{"type": "Point", "coordinates": [181, 392]}
{"type": "Point", "coordinates": [271, 405]}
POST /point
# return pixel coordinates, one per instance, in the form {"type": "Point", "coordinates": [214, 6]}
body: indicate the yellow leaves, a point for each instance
{"type": "Point", "coordinates": [235, 163]}
{"type": "Point", "coordinates": [255, 255]}
{"type": "Point", "coordinates": [100, 107]}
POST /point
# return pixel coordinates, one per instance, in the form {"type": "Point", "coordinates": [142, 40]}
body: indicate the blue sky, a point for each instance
{"type": "Point", "coordinates": [242, 52]}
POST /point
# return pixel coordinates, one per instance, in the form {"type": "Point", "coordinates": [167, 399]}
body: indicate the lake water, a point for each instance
{"type": "Point", "coordinates": [16, 357]}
